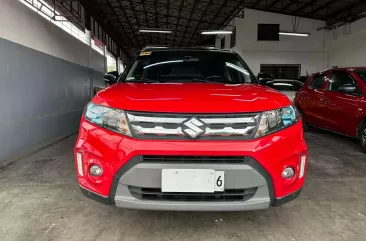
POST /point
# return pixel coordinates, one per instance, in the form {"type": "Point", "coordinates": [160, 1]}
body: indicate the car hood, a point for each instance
{"type": "Point", "coordinates": [191, 97]}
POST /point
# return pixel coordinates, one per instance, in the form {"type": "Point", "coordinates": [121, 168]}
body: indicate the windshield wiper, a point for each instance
{"type": "Point", "coordinates": [207, 81]}
{"type": "Point", "coordinates": [141, 80]}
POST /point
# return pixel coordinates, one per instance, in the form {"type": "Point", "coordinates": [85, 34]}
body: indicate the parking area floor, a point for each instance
{"type": "Point", "coordinates": [40, 200]}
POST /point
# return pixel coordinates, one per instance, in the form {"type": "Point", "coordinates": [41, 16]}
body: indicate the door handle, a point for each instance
{"type": "Point", "coordinates": [324, 100]}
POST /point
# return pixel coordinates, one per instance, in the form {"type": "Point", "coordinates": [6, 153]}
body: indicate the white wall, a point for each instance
{"type": "Point", "coordinates": [307, 51]}
{"type": "Point", "coordinates": [349, 48]}
{"type": "Point", "coordinates": [23, 26]}
{"type": "Point", "coordinates": [45, 80]}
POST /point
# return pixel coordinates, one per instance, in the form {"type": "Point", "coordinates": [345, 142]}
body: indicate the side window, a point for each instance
{"type": "Point", "coordinates": [338, 79]}
{"type": "Point", "coordinates": [317, 81]}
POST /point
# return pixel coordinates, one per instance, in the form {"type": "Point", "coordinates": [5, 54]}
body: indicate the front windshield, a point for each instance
{"type": "Point", "coordinates": [188, 66]}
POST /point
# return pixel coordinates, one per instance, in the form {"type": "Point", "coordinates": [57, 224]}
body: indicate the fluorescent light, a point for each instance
{"type": "Point", "coordinates": [218, 32]}
{"type": "Point", "coordinates": [295, 34]}
{"type": "Point", "coordinates": [155, 30]}
{"type": "Point", "coordinates": [164, 62]}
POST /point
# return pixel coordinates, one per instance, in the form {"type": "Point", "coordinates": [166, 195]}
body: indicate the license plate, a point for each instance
{"type": "Point", "coordinates": [192, 180]}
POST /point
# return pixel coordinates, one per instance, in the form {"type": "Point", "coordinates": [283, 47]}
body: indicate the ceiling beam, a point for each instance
{"type": "Point", "coordinates": [114, 17]}
{"type": "Point", "coordinates": [190, 17]}
{"type": "Point", "coordinates": [122, 26]}
{"type": "Point", "coordinates": [167, 21]}
{"type": "Point", "coordinates": [146, 20]}
{"type": "Point", "coordinates": [134, 13]}
{"type": "Point", "coordinates": [255, 4]}
{"type": "Point", "coordinates": [289, 5]}
{"type": "Point", "coordinates": [157, 20]}
{"type": "Point", "coordinates": [172, 7]}
{"type": "Point", "coordinates": [273, 3]}
{"type": "Point", "coordinates": [222, 24]}
{"type": "Point", "coordinates": [326, 5]}
{"type": "Point", "coordinates": [199, 22]}
{"type": "Point", "coordinates": [117, 38]}
{"type": "Point", "coordinates": [348, 11]}
{"type": "Point", "coordinates": [179, 13]}
{"type": "Point", "coordinates": [306, 5]}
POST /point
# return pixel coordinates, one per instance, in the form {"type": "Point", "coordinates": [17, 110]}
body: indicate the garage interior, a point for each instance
{"type": "Point", "coordinates": [53, 55]}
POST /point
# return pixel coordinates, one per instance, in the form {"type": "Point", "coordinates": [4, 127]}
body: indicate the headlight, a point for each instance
{"type": "Point", "coordinates": [275, 120]}
{"type": "Point", "coordinates": [111, 119]}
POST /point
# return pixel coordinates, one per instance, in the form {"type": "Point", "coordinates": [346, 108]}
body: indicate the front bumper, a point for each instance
{"type": "Point", "coordinates": [122, 161]}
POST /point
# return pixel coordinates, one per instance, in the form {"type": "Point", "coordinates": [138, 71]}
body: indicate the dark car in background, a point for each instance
{"type": "Point", "coordinates": [335, 100]}
{"type": "Point", "coordinates": [289, 87]}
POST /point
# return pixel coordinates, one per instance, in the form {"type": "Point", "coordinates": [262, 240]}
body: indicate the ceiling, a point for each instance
{"type": "Point", "coordinates": [187, 18]}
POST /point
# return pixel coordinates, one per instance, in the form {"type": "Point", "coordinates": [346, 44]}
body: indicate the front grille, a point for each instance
{"type": "Point", "coordinates": [216, 126]}
{"type": "Point", "coordinates": [227, 195]}
{"type": "Point", "coordinates": [196, 159]}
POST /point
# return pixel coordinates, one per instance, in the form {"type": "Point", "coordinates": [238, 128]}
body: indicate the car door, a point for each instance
{"type": "Point", "coordinates": [311, 100]}
{"type": "Point", "coordinates": [342, 109]}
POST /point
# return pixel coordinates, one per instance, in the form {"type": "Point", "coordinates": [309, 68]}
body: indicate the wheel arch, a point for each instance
{"type": "Point", "coordinates": [362, 122]}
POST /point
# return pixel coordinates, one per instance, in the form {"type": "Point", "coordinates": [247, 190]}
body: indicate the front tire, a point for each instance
{"type": "Point", "coordinates": [363, 137]}
{"type": "Point", "coordinates": [305, 126]}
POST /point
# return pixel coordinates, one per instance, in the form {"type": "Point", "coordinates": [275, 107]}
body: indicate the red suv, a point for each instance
{"type": "Point", "coordinates": [190, 129]}
{"type": "Point", "coordinates": [335, 100]}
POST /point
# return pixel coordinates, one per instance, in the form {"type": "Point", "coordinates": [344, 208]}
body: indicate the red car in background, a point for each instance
{"type": "Point", "coordinates": [335, 100]}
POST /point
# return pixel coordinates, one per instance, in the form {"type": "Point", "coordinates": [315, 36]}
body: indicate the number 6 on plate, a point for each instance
{"type": "Point", "coordinates": [219, 181]}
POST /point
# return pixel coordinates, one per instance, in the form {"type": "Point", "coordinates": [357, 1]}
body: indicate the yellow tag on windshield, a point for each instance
{"type": "Point", "coordinates": [145, 53]}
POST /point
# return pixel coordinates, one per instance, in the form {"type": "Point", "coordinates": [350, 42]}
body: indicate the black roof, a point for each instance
{"type": "Point", "coordinates": [195, 48]}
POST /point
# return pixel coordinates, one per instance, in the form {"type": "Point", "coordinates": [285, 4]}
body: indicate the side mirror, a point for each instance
{"type": "Point", "coordinates": [348, 88]}
{"type": "Point", "coordinates": [111, 77]}
{"type": "Point", "coordinates": [265, 79]}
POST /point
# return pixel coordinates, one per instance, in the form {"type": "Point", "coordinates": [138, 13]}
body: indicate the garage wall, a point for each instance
{"type": "Point", "coordinates": [349, 48]}
{"type": "Point", "coordinates": [307, 51]}
{"type": "Point", "coordinates": [45, 79]}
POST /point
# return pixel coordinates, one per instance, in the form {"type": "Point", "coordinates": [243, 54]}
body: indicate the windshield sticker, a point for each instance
{"type": "Point", "coordinates": [145, 53]}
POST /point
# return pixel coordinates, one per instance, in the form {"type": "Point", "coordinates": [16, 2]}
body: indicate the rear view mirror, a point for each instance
{"type": "Point", "coordinates": [111, 77]}
{"type": "Point", "coordinates": [348, 88]}
{"type": "Point", "coordinates": [265, 79]}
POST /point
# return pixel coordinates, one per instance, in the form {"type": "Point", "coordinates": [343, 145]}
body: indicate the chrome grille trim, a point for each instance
{"type": "Point", "coordinates": [178, 131]}
{"type": "Point", "coordinates": [157, 130]}
{"type": "Point", "coordinates": [229, 131]}
{"type": "Point", "coordinates": [167, 126]}
{"type": "Point", "coordinates": [135, 118]}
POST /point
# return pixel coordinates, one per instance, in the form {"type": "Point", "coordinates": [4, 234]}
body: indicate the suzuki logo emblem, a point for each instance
{"type": "Point", "coordinates": [193, 127]}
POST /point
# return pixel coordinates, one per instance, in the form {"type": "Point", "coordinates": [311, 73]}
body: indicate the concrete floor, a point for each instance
{"type": "Point", "coordinates": [40, 200]}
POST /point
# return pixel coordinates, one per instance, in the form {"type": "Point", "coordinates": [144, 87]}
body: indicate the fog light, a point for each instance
{"type": "Point", "coordinates": [95, 170]}
{"type": "Point", "coordinates": [79, 161]}
{"type": "Point", "coordinates": [302, 166]}
{"type": "Point", "coordinates": [288, 172]}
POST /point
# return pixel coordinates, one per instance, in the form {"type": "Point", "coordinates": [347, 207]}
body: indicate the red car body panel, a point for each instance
{"type": "Point", "coordinates": [108, 149]}
{"type": "Point", "coordinates": [191, 98]}
{"type": "Point", "coordinates": [333, 110]}
{"type": "Point", "coordinates": [273, 155]}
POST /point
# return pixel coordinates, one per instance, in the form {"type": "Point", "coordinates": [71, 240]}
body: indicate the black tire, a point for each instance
{"type": "Point", "coordinates": [305, 126]}
{"type": "Point", "coordinates": [363, 136]}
